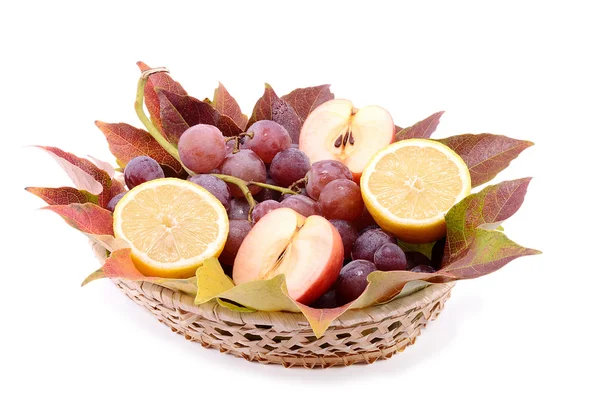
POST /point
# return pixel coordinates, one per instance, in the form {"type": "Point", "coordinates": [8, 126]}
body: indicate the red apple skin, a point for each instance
{"type": "Point", "coordinates": [312, 263]}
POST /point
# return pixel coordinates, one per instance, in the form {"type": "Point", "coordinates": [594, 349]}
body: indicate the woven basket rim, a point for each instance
{"type": "Point", "coordinates": [291, 321]}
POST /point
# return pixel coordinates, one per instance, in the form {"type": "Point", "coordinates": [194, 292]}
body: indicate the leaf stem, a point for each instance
{"type": "Point", "coordinates": [154, 132]}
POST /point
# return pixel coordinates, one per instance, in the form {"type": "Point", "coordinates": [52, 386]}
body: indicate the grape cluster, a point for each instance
{"type": "Point", "coordinates": [265, 155]}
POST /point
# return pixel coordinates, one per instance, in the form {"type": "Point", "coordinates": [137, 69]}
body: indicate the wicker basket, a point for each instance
{"type": "Point", "coordinates": [358, 336]}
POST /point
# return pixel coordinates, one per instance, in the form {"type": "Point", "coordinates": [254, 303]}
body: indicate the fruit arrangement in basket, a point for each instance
{"type": "Point", "coordinates": [310, 206]}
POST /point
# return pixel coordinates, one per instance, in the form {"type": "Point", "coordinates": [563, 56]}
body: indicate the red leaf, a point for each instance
{"type": "Point", "coordinates": [485, 154]}
{"type": "Point", "coordinates": [178, 113]}
{"type": "Point", "coordinates": [63, 195]}
{"type": "Point", "coordinates": [115, 188]}
{"type": "Point", "coordinates": [226, 105]}
{"type": "Point", "coordinates": [422, 129]}
{"type": "Point", "coordinates": [271, 107]}
{"type": "Point", "coordinates": [84, 174]}
{"type": "Point", "coordinates": [127, 142]}
{"type": "Point", "coordinates": [486, 253]}
{"type": "Point", "coordinates": [486, 209]}
{"type": "Point", "coordinates": [304, 100]}
{"type": "Point", "coordinates": [160, 80]}
{"type": "Point", "coordinates": [87, 218]}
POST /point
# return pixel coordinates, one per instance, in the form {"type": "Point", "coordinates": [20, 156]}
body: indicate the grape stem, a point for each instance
{"type": "Point", "coordinates": [295, 187]}
{"type": "Point", "coordinates": [154, 132]}
{"type": "Point", "coordinates": [273, 187]}
{"type": "Point", "coordinates": [243, 185]}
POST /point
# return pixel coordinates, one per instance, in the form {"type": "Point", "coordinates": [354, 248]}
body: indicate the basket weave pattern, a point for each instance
{"type": "Point", "coordinates": [358, 336]}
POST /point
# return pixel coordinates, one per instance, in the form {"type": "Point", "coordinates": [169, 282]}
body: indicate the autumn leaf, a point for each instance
{"type": "Point", "coordinates": [103, 165]}
{"type": "Point", "coordinates": [159, 80]}
{"type": "Point", "coordinates": [305, 100]}
{"type": "Point", "coordinates": [120, 265]}
{"type": "Point", "coordinates": [126, 142]}
{"type": "Point", "coordinates": [84, 174]}
{"type": "Point", "coordinates": [63, 195]}
{"type": "Point", "coordinates": [179, 112]}
{"type": "Point", "coordinates": [422, 129]}
{"type": "Point", "coordinates": [486, 209]}
{"type": "Point", "coordinates": [87, 218]}
{"type": "Point", "coordinates": [115, 188]}
{"type": "Point", "coordinates": [271, 107]}
{"type": "Point", "coordinates": [485, 154]}
{"type": "Point", "coordinates": [488, 251]}
{"type": "Point", "coordinates": [226, 105]}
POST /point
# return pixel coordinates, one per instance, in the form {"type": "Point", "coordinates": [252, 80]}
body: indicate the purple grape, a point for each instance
{"type": "Point", "coordinates": [321, 173]}
{"type": "Point", "coordinates": [341, 199]}
{"type": "Point", "coordinates": [302, 204]}
{"type": "Point", "coordinates": [437, 253]}
{"type": "Point", "coordinates": [390, 257]}
{"type": "Point", "coordinates": [215, 186]}
{"type": "Point", "coordinates": [268, 194]}
{"type": "Point", "coordinates": [352, 280]}
{"type": "Point", "coordinates": [263, 209]}
{"type": "Point", "coordinates": [113, 202]}
{"type": "Point", "coordinates": [246, 165]}
{"type": "Point", "coordinates": [327, 300]}
{"type": "Point", "coordinates": [423, 268]}
{"type": "Point", "coordinates": [202, 148]}
{"type": "Point", "coordinates": [368, 242]}
{"type": "Point", "coordinates": [414, 258]}
{"type": "Point", "coordinates": [267, 139]}
{"type": "Point", "coordinates": [238, 230]}
{"type": "Point", "coordinates": [348, 234]}
{"type": "Point", "coordinates": [364, 221]}
{"type": "Point", "coordinates": [142, 169]}
{"type": "Point", "coordinates": [289, 166]}
{"type": "Point", "coordinates": [238, 209]}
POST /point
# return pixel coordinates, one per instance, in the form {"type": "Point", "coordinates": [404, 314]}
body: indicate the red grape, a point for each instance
{"type": "Point", "coordinates": [414, 258]}
{"type": "Point", "coordinates": [202, 148]}
{"type": "Point", "coordinates": [321, 173]}
{"type": "Point", "coordinates": [238, 229]}
{"type": "Point", "coordinates": [302, 204]}
{"type": "Point", "coordinates": [262, 209]}
{"type": "Point", "coordinates": [327, 300]}
{"type": "Point", "coordinates": [390, 257]}
{"type": "Point", "coordinates": [289, 166]}
{"type": "Point", "coordinates": [267, 139]}
{"type": "Point", "coordinates": [437, 253]}
{"type": "Point", "coordinates": [215, 186]}
{"type": "Point", "coordinates": [423, 268]}
{"type": "Point", "coordinates": [142, 169]}
{"type": "Point", "coordinates": [238, 209]}
{"type": "Point", "coordinates": [113, 202]}
{"type": "Point", "coordinates": [246, 165]}
{"type": "Point", "coordinates": [352, 280]}
{"type": "Point", "coordinates": [368, 242]}
{"type": "Point", "coordinates": [348, 234]}
{"type": "Point", "coordinates": [341, 199]}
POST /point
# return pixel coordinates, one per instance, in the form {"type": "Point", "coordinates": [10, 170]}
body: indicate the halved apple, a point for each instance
{"type": "Point", "coordinates": [308, 251]}
{"type": "Point", "coordinates": [337, 131]}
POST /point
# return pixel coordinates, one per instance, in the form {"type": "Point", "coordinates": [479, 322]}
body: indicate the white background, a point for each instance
{"type": "Point", "coordinates": [527, 70]}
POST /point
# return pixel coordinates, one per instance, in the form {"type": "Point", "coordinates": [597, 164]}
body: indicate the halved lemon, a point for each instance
{"type": "Point", "coordinates": [172, 226]}
{"type": "Point", "coordinates": [409, 186]}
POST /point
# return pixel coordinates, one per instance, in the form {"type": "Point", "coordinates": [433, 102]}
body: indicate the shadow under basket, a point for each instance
{"type": "Point", "coordinates": [358, 336]}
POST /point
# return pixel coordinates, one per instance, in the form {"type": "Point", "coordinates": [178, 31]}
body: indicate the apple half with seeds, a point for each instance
{"type": "Point", "coordinates": [336, 130]}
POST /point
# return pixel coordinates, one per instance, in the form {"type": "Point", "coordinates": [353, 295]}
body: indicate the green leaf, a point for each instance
{"type": "Point", "coordinates": [488, 251]}
{"type": "Point", "coordinates": [424, 248]}
{"type": "Point", "coordinates": [422, 129]}
{"type": "Point", "coordinates": [63, 195]}
{"type": "Point", "coordinates": [271, 107]}
{"type": "Point", "coordinates": [485, 154]}
{"type": "Point", "coordinates": [486, 209]}
{"type": "Point", "coordinates": [120, 265]}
